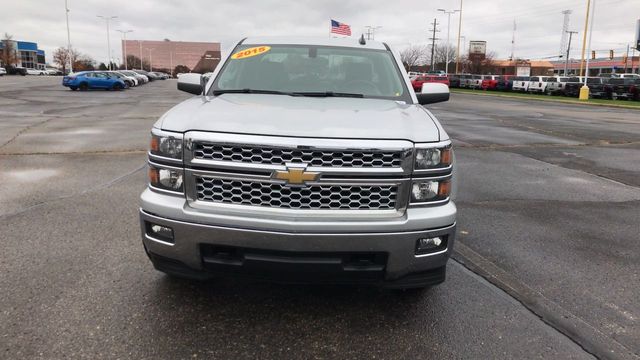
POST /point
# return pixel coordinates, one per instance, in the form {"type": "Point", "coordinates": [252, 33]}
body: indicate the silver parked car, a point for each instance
{"type": "Point", "coordinates": [555, 86]}
{"type": "Point", "coordinates": [302, 160]}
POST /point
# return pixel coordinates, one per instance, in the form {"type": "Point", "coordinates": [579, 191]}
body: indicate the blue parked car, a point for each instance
{"type": "Point", "coordinates": [86, 80]}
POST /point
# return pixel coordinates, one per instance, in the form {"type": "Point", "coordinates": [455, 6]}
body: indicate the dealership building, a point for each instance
{"type": "Point", "coordinates": [619, 64]}
{"type": "Point", "coordinates": [27, 53]}
{"type": "Point", "coordinates": [197, 56]}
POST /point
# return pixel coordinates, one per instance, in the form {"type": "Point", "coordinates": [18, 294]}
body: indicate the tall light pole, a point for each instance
{"type": "Point", "coordinates": [108, 18]}
{"type": "Point", "coordinates": [459, 33]}
{"type": "Point", "coordinates": [124, 46]}
{"type": "Point", "coordinates": [584, 37]}
{"type": "Point", "coordinates": [140, 44]}
{"type": "Point", "coordinates": [584, 91]}
{"type": "Point", "coordinates": [150, 63]}
{"type": "Point", "coordinates": [69, 54]}
{"type": "Point", "coordinates": [448, 12]}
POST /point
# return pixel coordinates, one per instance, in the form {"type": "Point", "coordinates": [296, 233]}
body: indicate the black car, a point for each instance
{"type": "Point", "coordinates": [16, 70]}
{"type": "Point", "coordinates": [505, 83]}
{"type": "Point", "coordinates": [454, 81]}
{"type": "Point", "coordinates": [625, 88]}
{"type": "Point", "coordinates": [595, 84]}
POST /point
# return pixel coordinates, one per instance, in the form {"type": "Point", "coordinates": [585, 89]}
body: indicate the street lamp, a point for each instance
{"type": "Point", "coordinates": [124, 46]}
{"type": "Point", "coordinates": [459, 33]}
{"type": "Point", "coordinates": [584, 91]}
{"type": "Point", "coordinates": [66, 7]}
{"type": "Point", "coordinates": [107, 19]}
{"type": "Point", "coordinates": [150, 63]}
{"type": "Point", "coordinates": [448, 12]}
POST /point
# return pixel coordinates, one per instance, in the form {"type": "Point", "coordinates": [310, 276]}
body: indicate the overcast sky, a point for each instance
{"type": "Point", "coordinates": [539, 22]}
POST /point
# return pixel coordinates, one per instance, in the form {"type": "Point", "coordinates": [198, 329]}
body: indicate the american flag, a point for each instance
{"type": "Point", "coordinates": [340, 28]}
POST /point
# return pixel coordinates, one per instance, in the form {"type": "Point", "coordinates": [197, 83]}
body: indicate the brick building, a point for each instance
{"type": "Point", "coordinates": [521, 67]}
{"type": "Point", "coordinates": [168, 54]}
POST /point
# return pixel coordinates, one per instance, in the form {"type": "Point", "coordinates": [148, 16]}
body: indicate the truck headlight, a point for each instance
{"type": "Point", "coordinates": [430, 190]}
{"type": "Point", "coordinates": [432, 157]}
{"type": "Point", "coordinates": [166, 144]}
{"type": "Point", "coordinates": [168, 179]}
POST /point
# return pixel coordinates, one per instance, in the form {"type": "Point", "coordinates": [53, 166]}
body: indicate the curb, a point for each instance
{"type": "Point", "coordinates": [483, 93]}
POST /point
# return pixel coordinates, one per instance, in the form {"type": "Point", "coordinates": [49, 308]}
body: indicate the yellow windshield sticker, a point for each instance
{"type": "Point", "coordinates": [258, 50]}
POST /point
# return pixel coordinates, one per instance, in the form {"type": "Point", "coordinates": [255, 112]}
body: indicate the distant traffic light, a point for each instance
{"type": "Point", "coordinates": [593, 54]}
{"type": "Point", "coordinates": [610, 54]}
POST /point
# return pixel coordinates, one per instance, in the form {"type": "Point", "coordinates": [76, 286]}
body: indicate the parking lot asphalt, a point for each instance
{"type": "Point", "coordinates": [547, 263]}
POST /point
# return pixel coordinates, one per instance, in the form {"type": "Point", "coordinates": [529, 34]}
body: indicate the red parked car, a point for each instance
{"type": "Point", "coordinates": [490, 82]}
{"type": "Point", "coordinates": [417, 82]}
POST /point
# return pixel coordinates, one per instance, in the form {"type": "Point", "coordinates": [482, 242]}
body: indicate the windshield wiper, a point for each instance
{"type": "Point", "coordinates": [252, 91]}
{"type": "Point", "coordinates": [329, 94]}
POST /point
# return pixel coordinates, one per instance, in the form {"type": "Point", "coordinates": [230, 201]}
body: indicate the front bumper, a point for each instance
{"type": "Point", "coordinates": [311, 252]}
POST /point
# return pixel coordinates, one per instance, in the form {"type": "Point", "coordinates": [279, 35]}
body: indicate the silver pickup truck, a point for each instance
{"type": "Point", "coordinates": [302, 160]}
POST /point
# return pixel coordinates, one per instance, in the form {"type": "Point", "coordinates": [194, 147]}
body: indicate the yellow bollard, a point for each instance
{"type": "Point", "coordinates": [584, 93]}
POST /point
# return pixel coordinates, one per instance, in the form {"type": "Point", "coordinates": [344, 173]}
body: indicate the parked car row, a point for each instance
{"type": "Point", "coordinates": [110, 80]}
{"type": "Point", "coordinates": [610, 86]}
{"type": "Point", "coordinates": [18, 70]}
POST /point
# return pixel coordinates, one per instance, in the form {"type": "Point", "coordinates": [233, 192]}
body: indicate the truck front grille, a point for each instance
{"type": "Point", "coordinates": [281, 156]}
{"type": "Point", "coordinates": [311, 197]}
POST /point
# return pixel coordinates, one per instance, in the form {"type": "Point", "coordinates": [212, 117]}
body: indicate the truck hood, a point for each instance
{"type": "Point", "coordinates": [265, 114]}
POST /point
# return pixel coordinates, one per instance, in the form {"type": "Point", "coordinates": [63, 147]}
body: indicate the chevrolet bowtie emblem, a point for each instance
{"type": "Point", "coordinates": [296, 174]}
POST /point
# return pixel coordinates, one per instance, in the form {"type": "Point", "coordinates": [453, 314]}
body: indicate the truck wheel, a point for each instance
{"type": "Point", "coordinates": [84, 87]}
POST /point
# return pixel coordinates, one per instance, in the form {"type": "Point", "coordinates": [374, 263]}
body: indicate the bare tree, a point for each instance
{"type": "Point", "coordinates": [475, 65]}
{"type": "Point", "coordinates": [84, 63]}
{"type": "Point", "coordinates": [440, 56]}
{"type": "Point", "coordinates": [413, 55]}
{"type": "Point", "coordinates": [61, 57]}
{"type": "Point", "coordinates": [9, 55]}
{"type": "Point", "coordinates": [133, 62]}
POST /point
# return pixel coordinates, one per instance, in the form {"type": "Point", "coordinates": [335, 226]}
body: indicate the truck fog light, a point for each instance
{"type": "Point", "coordinates": [160, 232]}
{"type": "Point", "coordinates": [424, 190]}
{"type": "Point", "coordinates": [426, 245]}
{"type": "Point", "coordinates": [430, 190]}
{"type": "Point", "coordinates": [166, 179]}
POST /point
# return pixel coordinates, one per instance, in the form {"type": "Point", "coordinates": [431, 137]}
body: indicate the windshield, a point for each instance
{"type": "Point", "coordinates": [312, 69]}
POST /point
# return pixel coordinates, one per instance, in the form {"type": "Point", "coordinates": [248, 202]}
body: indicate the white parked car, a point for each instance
{"type": "Point", "coordinates": [626, 76]}
{"type": "Point", "coordinates": [538, 84]}
{"type": "Point", "coordinates": [35, 72]}
{"type": "Point", "coordinates": [520, 83]}
{"type": "Point", "coordinates": [141, 78]}
{"type": "Point", "coordinates": [3, 71]}
{"type": "Point", "coordinates": [132, 81]}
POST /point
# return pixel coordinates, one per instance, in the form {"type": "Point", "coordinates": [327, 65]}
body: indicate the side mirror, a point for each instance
{"type": "Point", "coordinates": [433, 93]}
{"type": "Point", "coordinates": [191, 83]}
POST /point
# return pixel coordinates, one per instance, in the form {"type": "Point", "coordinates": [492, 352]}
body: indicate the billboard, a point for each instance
{"type": "Point", "coordinates": [477, 47]}
{"type": "Point", "coordinates": [638, 35]}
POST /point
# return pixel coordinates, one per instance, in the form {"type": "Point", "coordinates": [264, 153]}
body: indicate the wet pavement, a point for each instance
{"type": "Point", "coordinates": [547, 264]}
